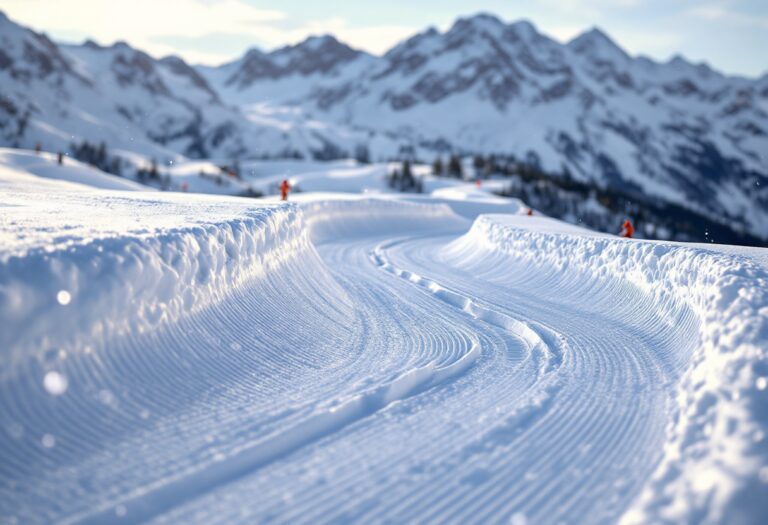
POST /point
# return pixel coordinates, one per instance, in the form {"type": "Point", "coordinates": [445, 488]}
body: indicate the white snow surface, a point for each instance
{"type": "Point", "coordinates": [45, 165]}
{"type": "Point", "coordinates": [174, 358]}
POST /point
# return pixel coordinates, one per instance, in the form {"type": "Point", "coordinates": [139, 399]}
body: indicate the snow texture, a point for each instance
{"type": "Point", "coordinates": [173, 358]}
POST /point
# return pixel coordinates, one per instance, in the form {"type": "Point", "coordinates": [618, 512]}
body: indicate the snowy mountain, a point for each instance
{"type": "Point", "coordinates": [676, 132]}
{"type": "Point", "coordinates": [57, 95]}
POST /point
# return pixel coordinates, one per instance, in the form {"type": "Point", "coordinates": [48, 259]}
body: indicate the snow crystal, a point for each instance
{"type": "Point", "coordinates": [55, 383]}
{"type": "Point", "coordinates": [63, 297]}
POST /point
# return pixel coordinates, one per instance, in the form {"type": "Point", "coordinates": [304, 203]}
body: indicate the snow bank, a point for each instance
{"type": "Point", "coordinates": [120, 309]}
{"type": "Point", "coordinates": [715, 462]}
{"type": "Point", "coordinates": [95, 284]}
{"type": "Point", "coordinates": [348, 217]}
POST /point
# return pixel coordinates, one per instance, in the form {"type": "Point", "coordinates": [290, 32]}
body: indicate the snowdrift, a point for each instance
{"type": "Point", "coordinates": [111, 328]}
{"type": "Point", "coordinates": [714, 462]}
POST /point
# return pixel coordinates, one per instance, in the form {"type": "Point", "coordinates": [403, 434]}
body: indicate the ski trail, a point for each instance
{"type": "Point", "coordinates": [151, 501]}
{"type": "Point", "coordinates": [369, 361]}
{"type": "Point", "coordinates": [542, 342]}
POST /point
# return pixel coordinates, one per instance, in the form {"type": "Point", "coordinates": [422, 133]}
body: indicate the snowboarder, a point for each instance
{"type": "Point", "coordinates": [285, 187]}
{"type": "Point", "coordinates": [627, 230]}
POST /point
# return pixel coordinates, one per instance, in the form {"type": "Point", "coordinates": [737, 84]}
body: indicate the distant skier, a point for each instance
{"type": "Point", "coordinates": [478, 183]}
{"type": "Point", "coordinates": [60, 158]}
{"type": "Point", "coordinates": [529, 212]}
{"type": "Point", "coordinates": [627, 230]}
{"type": "Point", "coordinates": [38, 148]}
{"type": "Point", "coordinates": [285, 187]}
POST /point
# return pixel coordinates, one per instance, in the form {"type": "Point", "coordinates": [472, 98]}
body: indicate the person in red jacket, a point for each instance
{"type": "Point", "coordinates": [285, 187]}
{"type": "Point", "coordinates": [627, 230]}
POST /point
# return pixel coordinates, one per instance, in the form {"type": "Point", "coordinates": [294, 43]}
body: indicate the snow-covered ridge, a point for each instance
{"type": "Point", "coordinates": [715, 446]}
{"type": "Point", "coordinates": [148, 279]}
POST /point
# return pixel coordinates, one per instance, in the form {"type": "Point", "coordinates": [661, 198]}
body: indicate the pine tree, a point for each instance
{"type": "Point", "coordinates": [454, 167]}
{"type": "Point", "coordinates": [437, 167]}
{"type": "Point", "coordinates": [362, 155]}
{"type": "Point", "coordinates": [407, 181]}
{"type": "Point", "coordinates": [153, 173]}
{"type": "Point", "coordinates": [478, 162]}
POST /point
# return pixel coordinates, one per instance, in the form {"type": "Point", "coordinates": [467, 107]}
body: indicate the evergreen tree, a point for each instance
{"type": "Point", "coordinates": [454, 167]}
{"type": "Point", "coordinates": [437, 167]}
{"type": "Point", "coordinates": [407, 182]}
{"type": "Point", "coordinates": [101, 155]}
{"type": "Point", "coordinates": [478, 162]}
{"type": "Point", "coordinates": [362, 155]}
{"type": "Point", "coordinates": [153, 173]}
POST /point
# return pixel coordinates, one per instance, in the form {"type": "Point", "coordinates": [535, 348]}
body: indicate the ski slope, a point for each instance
{"type": "Point", "coordinates": [174, 358]}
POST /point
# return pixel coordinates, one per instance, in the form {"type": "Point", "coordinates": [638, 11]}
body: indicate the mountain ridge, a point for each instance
{"type": "Point", "coordinates": [674, 130]}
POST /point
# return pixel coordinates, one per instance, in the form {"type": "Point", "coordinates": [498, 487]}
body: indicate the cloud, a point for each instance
{"type": "Point", "coordinates": [141, 19]}
{"type": "Point", "coordinates": [589, 8]}
{"type": "Point", "coordinates": [720, 13]}
{"type": "Point", "coordinates": [163, 27]}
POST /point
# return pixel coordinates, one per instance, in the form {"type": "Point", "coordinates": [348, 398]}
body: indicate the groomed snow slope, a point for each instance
{"type": "Point", "coordinates": [180, 358]}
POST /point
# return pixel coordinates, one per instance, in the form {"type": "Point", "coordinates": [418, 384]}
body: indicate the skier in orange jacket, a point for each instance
{"type": "Point", "coordinates": [285, 187]}
{"type": "Point", "coordinates": [627, 230]}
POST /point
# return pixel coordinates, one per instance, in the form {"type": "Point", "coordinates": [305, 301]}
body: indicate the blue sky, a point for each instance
{"type": "Point", "coordinates": [731, 35]}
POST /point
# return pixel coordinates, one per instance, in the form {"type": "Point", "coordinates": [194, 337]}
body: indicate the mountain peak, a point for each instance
{"type": "Point", "coordinates": [314, 44]}
{"type": "Point", "coordinates": [478, 22]}
{"type": "Point", "coordinates": [524, 27]}
{"type": "Point", "coordinates": [92, 44]}
{"type": "Point", "coordinates": [597, 44]}
{"type": "Point", "coordinates": [484, 17]}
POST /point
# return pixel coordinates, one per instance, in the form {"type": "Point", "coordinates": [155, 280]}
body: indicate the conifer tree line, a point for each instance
{"type": "Point", "coordinates": [453, 169]}
{"type": "Point", "coordinates": [403, 179]}
{"type": "Point", "coordinates": [97, 156]}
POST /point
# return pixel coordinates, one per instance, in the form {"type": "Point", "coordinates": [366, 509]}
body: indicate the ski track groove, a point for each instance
{"type": "Point", "coordinates": [516, 400]}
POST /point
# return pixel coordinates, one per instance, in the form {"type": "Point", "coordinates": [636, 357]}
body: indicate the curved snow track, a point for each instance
{"type": "Point", "coordinates": [376, 361]}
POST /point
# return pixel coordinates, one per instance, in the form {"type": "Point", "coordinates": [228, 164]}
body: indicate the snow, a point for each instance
{"type": "Point", "coordinates": [15, 163]}
{"type": "Point", "coordinates": [482, 86]}
{"type": "Point", "coordinates": [367, 357]}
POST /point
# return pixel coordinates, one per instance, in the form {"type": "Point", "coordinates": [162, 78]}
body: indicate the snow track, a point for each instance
{"type": "Point", "coordinates": [373, 361]}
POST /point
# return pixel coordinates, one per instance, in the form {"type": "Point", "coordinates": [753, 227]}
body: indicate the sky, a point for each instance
{"type": "Point", "coordinates": [730, 35]}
